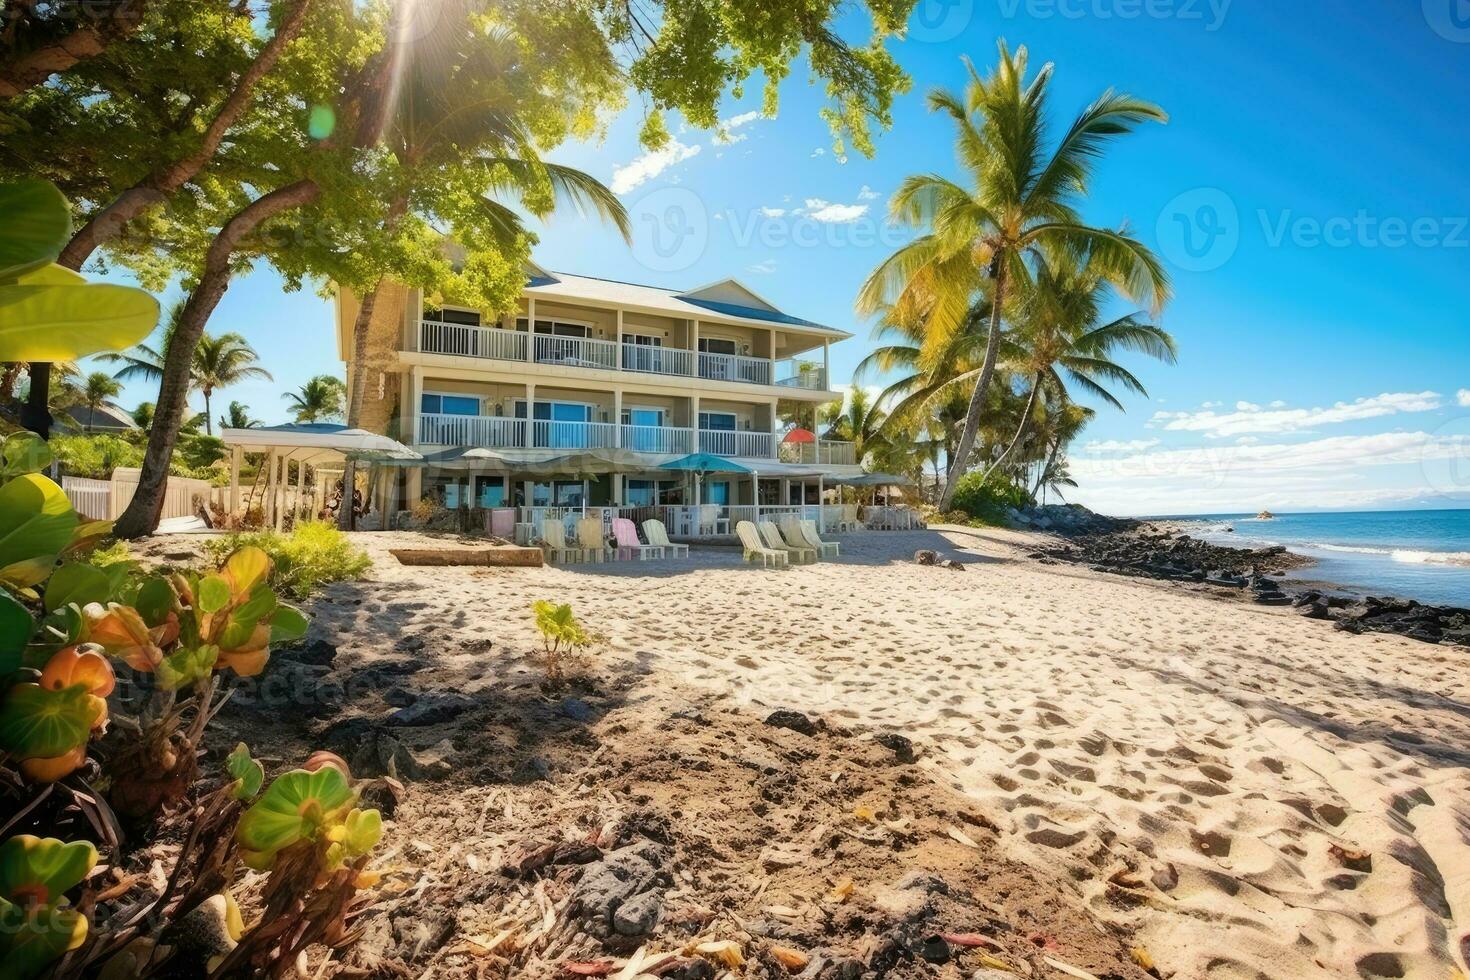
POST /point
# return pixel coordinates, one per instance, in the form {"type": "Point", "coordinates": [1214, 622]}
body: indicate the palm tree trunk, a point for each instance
{"type": "Point", "coordinates": [1020, 429]}
{"type": "Point", "coordinates": [977, 399]}
{"type": "Point", "coordinates": [37, 413]}
{"type": "Point", "coordinates": [141, 517]}
{"type": "Point", "coordinates": [208, 418]}
{"type": "Point", "coordinates": [355, 395]}
{"type": "Point", "coordinates": [1051, 458]}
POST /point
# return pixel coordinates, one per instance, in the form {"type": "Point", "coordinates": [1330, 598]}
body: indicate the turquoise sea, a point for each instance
{"type": "Point", "coordinates": [1416, 554]}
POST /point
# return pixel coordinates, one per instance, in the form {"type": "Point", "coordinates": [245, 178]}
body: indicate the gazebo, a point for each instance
{"type": "Point", "coordinates": [323, 446]}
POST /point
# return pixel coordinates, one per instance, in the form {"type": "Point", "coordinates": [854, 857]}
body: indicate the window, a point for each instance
{"type": "Point", "coordinates": [717, 421]}
{"type": "Point", "coordinates": [718, 492]}
{"type": "Point", "coordinates": [643, 416]}
{"type": "Point", "coordinates": [489, 491]}
{"type": "Point", "coordinates": [561, 493]}
{"type": "Point", "coordinates": [557, 411]}
{"type": "Point", "coordinates": [717, 345]}
{"type": "Point", "coordinates": [638, 492]}
{"type": "Point", "coordinates": [450, 314]}
{"type": "Point", "coordinates": [557, 328]}
{"type": "Point", "coordinates": [431, 404]}
{"type": "Point", "coordinates": [643, 340]}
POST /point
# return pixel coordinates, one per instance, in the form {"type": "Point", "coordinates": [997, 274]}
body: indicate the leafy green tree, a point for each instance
{"type": "Point", "coordinates": [42, 39]}
{"type": "Point", "coordinates": [1021, 196]}
{"type": "Point", "coordinates": [318, 400]}
{"type": "Point", "coordinates": [99, 389]}
{"type": "Point", "coordinates": [237, 416]}
{"type": "Point", "coordinates": [220, 362]}
{"type": "Point", "coordinates": [143, 416]}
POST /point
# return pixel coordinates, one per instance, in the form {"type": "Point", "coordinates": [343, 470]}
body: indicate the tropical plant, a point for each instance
{"type": "Point", "coordinates": [309, 556]}
{"type": "Point", "coordinates": [561, 636]}
{"type": "Point", "coordinates": [319, 399]}
{"type": "Point", "coordinates": [237, 416]}
{"type": "Point", "coordinates": [37, 923]}
{"type": "Point", "coordinates": [143, 416]}
{"type": "Point", "coordinates": [99, 389]}
{"type": "Point", "coordinates": [988, 499]}
{"type": "Point", "coordinates": [981, 239]}
{"type": "Point", "coordinates": [220, 362]}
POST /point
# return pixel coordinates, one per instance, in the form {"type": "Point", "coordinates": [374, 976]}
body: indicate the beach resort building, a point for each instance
{"type": "Point", "coordinates": [579, 397]}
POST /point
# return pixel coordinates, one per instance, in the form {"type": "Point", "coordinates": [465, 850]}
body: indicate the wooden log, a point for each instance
{"type": "Point", "coordinates": [501, 557]}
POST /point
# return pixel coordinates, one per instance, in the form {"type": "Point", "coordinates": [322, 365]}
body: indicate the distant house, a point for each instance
{"type": "Point", "coordinates": [107, 418]}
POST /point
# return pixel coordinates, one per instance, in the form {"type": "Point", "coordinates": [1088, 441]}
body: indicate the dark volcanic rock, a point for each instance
{"type": "Point", "coordinates": [794, 720]}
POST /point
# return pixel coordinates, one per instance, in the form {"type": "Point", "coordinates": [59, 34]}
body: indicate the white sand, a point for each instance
{"type": "Point", "coordinates": [1217, 751]}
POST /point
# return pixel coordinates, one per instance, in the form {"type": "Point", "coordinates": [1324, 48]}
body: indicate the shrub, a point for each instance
{"type": "Point", "coordinates": [96, 456]}
{"type": "Point", "coordinates": [561, 636]}
{"type": "Point", "coordinates": [988, 500]}
{"type": "Point", "coordinates": [312, 555]}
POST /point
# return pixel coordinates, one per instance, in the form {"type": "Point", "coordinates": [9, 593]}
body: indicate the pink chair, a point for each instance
{"type": "Point", "coordinates": [628, 544]}
{"type": "Point", "coordinates": [502, 522]}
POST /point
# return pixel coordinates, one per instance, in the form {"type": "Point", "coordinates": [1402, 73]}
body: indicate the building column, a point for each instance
{"type": "Point", "coordinates": [529, 436]}
{"type": "Point", "coordinates": [617, 418]}
{"type": "Point", "coordinates": [408, 422]}
{"type": "Point", "coordinates": [826, 365]}
{"type": "Point", "coordinates": [530, 329]}
{"type": "Point", "coordinates": [694, 421]}
{"type": "Point", "coordinates": [413, 485]}
{"type": "Point", "coordinates": [694, 347]}
{"type": "Point", "coordinates": [615, 488]}
{"type": "Point", "coordinates": [236, 455]}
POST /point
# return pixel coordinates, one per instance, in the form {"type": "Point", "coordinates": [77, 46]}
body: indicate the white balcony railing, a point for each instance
{"type": "Point", "coordinates": [807, 376]}
{"type": "Point", "coordinates": [546, 434]}
{"type": "Point", "coordinates": [467, 341]}
{"type": "Point", "coordinates": [657, 360]}
{"type": "Point", "coordinates": [577, 352]}
{"type": "Point", "coordinates": [471, 430]}
{"type": "Point", "coordinates": [729, 367]}
{"type": "Point", "coordinates": [658, 439]}
{"type": "Point", "coordinates": [724, 442]}
{"type": "Point", "coordinates": [826, 451]}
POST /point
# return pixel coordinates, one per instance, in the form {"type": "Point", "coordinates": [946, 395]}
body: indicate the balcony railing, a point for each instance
{"type": "Point", "coordinates": [729, 367]}
{"type": "Point", "coordinates": [577, 352]}
{"type": "Point", "coordinates": [809, 377]}
{"type": "Point", "coordinates": [547, 434]}
{"type": "Point", "coordinates": [825, 451]}
{"type": "Point", "coordinates": [658, 439]}
{"type": "Point", "coordinates": [471, 430]}
{"type": "Point", "coordinates": [725, 442]}
{"type": "Point", "coordinates": [467, 341]}
{"type": "Point", "coordinates": [657, 360]}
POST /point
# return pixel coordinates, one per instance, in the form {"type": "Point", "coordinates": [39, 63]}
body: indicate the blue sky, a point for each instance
{"type": "Point", "coordinates": [1308, 196]}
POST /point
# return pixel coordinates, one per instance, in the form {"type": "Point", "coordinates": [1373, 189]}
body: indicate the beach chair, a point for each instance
{"type": "Point", "coordinates": [793, 531]}
{"type": "Point", "coordinates": [809, 534]}
{"type": "Point", "coordinates": [656, 533]}
{"type": "Point", "coordinates": [754, 548]}
{"type": "Point", "coordinates": [710, 521]}
{"type": "Point", "coordinates": [850, 518]}
{"type": "Point", "coordinates": [628, 544]}
{"type": "Point", "coordinates": [773, 539]}
{"type": "Point", "coordinates": [554, 534]}
{"type": "Point", "coordinates": [590, 537]}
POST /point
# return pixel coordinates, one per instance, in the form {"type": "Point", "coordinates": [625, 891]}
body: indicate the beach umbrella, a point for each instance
{"type": "Point", "coordinates": [701, 463]}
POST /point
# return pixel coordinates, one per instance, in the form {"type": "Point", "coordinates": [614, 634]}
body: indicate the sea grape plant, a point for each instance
{"type": "Point", "coordinates": [37, 923]}
{"type": "Point", "coordinates": [46, 724]}
{"type": "Point", "coordinates": [561, 634]}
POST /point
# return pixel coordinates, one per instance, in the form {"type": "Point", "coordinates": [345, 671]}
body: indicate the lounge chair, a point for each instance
{"type": "Point", "coordinates": [809, 534]}
{"type": "Point", "coordinates": [554, 534]}
{"type": "Point", "coordinates": [590, 537]}
{"type": "Point", "coordinates": [850, 520]}
{"type": "Point", "coordinates": [773, 538]}
{"type": "Point", "coordinates": [656, 533]}
{"type": "Point", "coordinates": [710, 521]}
{"type": "Point", "coordinates": [793, 530]}
{"type": "Point", "coordinates": [754, 548]}
{"type": "Point", "coordinates": [628, 544]}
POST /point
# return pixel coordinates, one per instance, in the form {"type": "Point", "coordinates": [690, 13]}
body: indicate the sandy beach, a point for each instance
{"type": "Point", "coordinates": [1243, 792]}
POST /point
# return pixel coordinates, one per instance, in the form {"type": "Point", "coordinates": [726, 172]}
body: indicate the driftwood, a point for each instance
{"type": "Point", "coordinates": [506, 556]}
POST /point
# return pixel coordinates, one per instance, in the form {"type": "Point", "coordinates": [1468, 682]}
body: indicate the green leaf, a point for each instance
{"type": "Point", "coordinates": [213, 594]}
{"type": "Point", "coordinates": [41, 870]}
{"type": "Point", "coordinates": [36, 228]}
{"type": "Point", "coordinates": [247, 772]}
{"type": "Point", "coordinates": [63, 323]}
{"type": "Point", "coordinates": [288, 623]}
{"type": "Point", "coordinates": [39, 724]}
{"type": "Point", "coordinates": [15, 631]}
{"type": "Point", "coordinates": [78, 584]}
{"type": "Point", "coordinates": [361, 832]}
{"type": "Point", "coordinates": [155, 600]}
{"type": "Point", "coordinates": [295, 807]}
{"type": "Point", "coordinates": [36, 523]}
{"type": "Point", "coordinates": [24, 452]}
{"type": "Point", "coordinates": [185, 666]}
{"type": "Point", "coordinates": [32, 940]}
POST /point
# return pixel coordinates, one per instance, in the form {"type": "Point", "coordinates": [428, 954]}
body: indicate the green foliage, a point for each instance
{"type": "Point", "coordinates": [299, 806]}
{"type": "Point", "coordinates": [36, 526]}
{"type": "Point", "coordinates": [561, 635]}
{"type": "Point", "coordinates": [96, 456]}
{"type": "Point", "coordinates": [987, 500]}
{"type": "Point", "coordinates": [313, 554]}
{"type": "Point", "coordinates": [49, 313]}
{"type": "Point", "coordinates": [23, 452]}
{"type": "Point", "coordinates": [46, 725]}
{"type": "Point", "coordinates": [248, 774]}
{"type": "Point", "coordinates": [37, 924]}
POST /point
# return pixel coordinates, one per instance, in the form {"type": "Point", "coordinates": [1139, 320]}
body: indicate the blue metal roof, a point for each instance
{"type": "Point", "coordinates": [750, 312]}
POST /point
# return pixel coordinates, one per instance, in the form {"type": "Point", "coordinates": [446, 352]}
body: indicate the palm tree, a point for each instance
{"type": "Point", "coordinates": [319, 399]}
{"type": "Point", "coordinates": [143, 415]}
{"type": "Point", "coordinates": [1021, 197]}
{"type": "Point", "coordinates": [220, 362]}
{"type": "Point", "coordinates": [100, 387]}
{"type": "Point", "coordinates": [857, 419]}
{"type": "Point", "coordinates": [238, 417]}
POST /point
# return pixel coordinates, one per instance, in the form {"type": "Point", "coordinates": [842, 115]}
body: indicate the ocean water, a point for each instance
{"type": "Point", "coordinates": [1416, 554]}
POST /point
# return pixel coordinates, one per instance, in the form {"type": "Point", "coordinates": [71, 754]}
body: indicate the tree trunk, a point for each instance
{"type": "Point", "coordinates": [31, 60]}
{"type": "Point", "coordinates": [977, 399]}
{"type": "Point", "coordinates": [1051, 458]}
{"type": "Point", "coordinates": [1020, 429]}
{"type": "Point", "coordinates": [355, 394]}
{"type": "Point", "coordinates": [208, 418]}
{"type": "Point", "coordinates": [141, 517]}
{"type": "Point", "coordinates": [155, 188]}
{"type": "Point", "coordinates": [37, 413]}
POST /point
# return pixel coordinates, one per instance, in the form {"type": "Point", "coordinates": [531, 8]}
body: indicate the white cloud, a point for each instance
{"type": "Point", "coordinates": [1463, 397]}
{"type": "Point", "coordinates": [819, 151]}
{"type": "Point", "coordinates": [650, 165]}
{"type": "Point", "coordinates": [763, 267]}
{"type": "Point", "coordinates": [725, 133]}
{"type": "Point", "coordinates": [1278, 403]}
{"type": "Point", "coordinates": [773, 212]}
{"type": "Point", "coordinates": [867, 193]}
{"type": "Point", "coordinates": [1115, 446]}
{"type": "Point", "coordinates": [829, 213]}
{"type": "Point", "coordinates": [1205, 404]}
{"type": "Point", "coordinates": [1249, 417]}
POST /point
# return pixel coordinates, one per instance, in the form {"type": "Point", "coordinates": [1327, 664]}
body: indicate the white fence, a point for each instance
{"type": "Point", "coordinates": [468, 341]}
{"type": "Point", "coordinates": [105, 500]}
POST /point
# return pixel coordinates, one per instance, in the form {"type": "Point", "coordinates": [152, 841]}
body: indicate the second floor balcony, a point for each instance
{"type": "Point", "coordinates": [495, 343]}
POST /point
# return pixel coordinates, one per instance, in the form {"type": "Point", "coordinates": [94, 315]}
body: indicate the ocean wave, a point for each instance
{"type": "Point", "coordinates": [1407, 555]}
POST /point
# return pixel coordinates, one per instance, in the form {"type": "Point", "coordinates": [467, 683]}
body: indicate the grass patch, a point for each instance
{"type": "Point", "coordinates": [312, 555]}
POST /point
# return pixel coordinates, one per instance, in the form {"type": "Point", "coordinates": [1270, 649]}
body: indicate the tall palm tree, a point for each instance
{"type": "Point", "coordinates": [1020, 197]}
{"type": "Point", "coordinates": [143, 415]}
{"type": "Point", "coordinates": [857, 418]}
{"type": "Point", "coordinates": [220, 362]}
{"type": "Point", "coordinates": [318, 400]}
{"type": "Point", "coordinates": [237, 416]}
{"type": "Point", "coordinates": [99, 389]}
